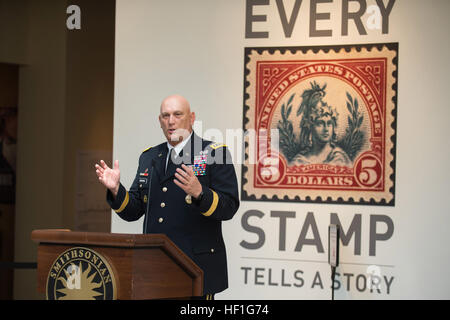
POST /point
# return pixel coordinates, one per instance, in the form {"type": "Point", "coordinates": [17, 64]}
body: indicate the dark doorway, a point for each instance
{"type": "Point", "coordinates": [9, 76]}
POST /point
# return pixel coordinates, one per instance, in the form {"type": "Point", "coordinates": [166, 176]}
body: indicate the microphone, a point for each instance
{"type": "Point", "coordinates": [148, 195]}
{"type": "Point", "coordinates": [333, 252]}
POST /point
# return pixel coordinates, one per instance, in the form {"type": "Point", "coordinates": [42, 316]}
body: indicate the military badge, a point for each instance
{"type": "Point", "coordinates": [199, 166]}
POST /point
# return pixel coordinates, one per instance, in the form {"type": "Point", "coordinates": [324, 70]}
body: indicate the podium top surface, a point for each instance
{"type": "Point", "coordinates": [64, 236]}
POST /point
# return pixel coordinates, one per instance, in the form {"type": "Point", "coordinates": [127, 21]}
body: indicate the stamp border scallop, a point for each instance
{"type": "Point", "coordinates": [394, 46]}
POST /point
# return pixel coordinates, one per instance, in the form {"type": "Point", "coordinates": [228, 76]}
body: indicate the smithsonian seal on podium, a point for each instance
{"type": "Point", "coordinates": [81, 274]}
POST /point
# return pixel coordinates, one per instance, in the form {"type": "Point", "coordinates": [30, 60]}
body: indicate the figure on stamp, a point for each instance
{"type": "Point", "coordinates": [317, 142]}
{"type": "Point", "coordinates": [322, 139]}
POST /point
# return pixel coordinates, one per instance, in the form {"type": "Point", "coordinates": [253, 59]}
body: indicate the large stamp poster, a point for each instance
{"type": "Point", "coordinates": [321, 124]}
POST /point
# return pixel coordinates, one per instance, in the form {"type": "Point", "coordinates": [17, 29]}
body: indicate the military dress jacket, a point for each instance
{"type": "Point", "coordinates": [194, 226]}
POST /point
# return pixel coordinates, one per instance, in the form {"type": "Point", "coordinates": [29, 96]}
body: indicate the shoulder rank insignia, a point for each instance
{"type": "Point", "coordinates": [146, 149]}
{"type": "Point", "coordinates": [217, 145]}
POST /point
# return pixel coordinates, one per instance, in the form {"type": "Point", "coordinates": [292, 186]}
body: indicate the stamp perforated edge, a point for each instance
{"type": "Point", "coordinates": [386, 197]}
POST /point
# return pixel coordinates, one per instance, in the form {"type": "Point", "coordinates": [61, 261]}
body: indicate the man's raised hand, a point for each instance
{"type": "Point", "coordinates": [110, 178]}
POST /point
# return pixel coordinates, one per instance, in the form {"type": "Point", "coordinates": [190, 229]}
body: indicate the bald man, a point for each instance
{"type": "Point", "coordinates": [185, 187]}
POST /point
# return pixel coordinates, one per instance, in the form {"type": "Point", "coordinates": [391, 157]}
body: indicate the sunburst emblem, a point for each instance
{"type": "Point", "coordinates": [80, 274]}
{"type": "Point", "coordinates": [79, 284]}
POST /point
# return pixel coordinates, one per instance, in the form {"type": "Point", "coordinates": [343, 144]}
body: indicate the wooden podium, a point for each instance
{"type": "Point", "coordinates": [133, 266]}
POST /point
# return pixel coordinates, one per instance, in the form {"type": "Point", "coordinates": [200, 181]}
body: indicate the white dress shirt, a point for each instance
{"type": "Point", "coordinates": [177, 148]}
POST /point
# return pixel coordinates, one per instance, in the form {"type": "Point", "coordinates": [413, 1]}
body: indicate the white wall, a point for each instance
{"type": "Point", "coordinates": [196, 48]}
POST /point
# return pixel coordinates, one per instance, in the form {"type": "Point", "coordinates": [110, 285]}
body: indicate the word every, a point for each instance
{"type": "Point", "coordinates": [378, 16]}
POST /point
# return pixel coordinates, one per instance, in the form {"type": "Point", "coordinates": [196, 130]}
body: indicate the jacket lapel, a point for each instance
{"type": "Point", "coordinates": [160, 161]}
{"type": "Point", "coordinates": [170, 172]}
{"type": "Point", "coordinates": [186, 154]}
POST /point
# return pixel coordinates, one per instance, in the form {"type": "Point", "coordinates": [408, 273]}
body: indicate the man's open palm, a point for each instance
{"type": "Point", "coordinates": [110, 178]}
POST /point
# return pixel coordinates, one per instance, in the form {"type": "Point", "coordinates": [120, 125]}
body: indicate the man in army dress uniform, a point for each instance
{"type": "Point", "coordinates": [184, 187]}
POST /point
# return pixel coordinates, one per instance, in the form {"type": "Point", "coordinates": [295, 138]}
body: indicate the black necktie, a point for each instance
{"type": "Point", "coordinates": [169, 160]}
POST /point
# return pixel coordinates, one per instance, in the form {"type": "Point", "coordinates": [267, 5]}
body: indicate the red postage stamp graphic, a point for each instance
{"type": "Point", "coordinates": [320, 124]}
